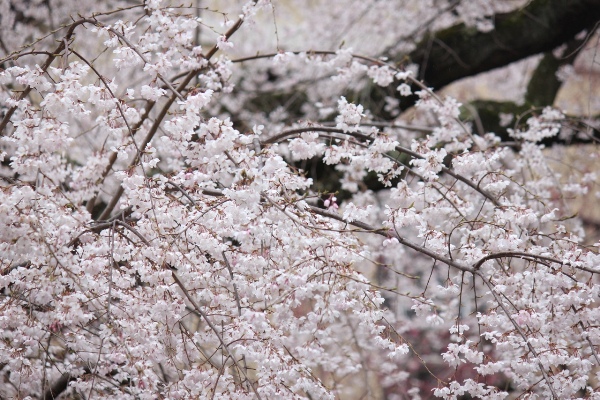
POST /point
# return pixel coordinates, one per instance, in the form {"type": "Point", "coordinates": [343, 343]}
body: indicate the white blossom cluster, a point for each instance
{"type": "Point", "coordinates": [160, 238]}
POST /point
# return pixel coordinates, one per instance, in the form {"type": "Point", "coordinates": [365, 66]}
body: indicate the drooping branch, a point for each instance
{"type": "Point", "coordinates": [519, 330]}
{"type": "Point", "coordinates": [398, 148]}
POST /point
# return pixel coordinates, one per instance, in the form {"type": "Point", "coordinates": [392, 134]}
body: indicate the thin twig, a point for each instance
{"type": "Point", "coordinates": [44, 68]}
{"type": "Point", "coordinates": [235, 291]}
{"type": "Point", "coordinates": [213, 328]}
{"type": "Point", "coordinates": [135, 49]}
{"type": "Point", "coordinates": [521, 333]}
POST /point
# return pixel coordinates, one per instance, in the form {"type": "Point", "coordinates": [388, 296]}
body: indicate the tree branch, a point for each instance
{"type": "Point", "coordinates": [461, 51]}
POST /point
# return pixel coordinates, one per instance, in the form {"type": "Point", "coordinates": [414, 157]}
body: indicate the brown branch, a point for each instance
{"type": "Point", "coordinates": [532, 257]}
{"type": "Point", "coordinates": [158, 121]}
{"type": "Point", "coordinates": [235, 291]}
{"type": "Point", "coordinates": [388, 233]}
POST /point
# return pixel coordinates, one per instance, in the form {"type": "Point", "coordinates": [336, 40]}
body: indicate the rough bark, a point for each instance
{"type": "Point", "coordinates": [541, 26]}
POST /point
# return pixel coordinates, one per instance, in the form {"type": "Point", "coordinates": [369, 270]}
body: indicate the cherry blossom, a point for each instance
{"type": "Point", "coordinates": [171, 228]}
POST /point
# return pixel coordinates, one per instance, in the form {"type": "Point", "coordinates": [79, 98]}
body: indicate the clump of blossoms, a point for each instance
{"type": "Point", "coordinates": [153, 246]}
